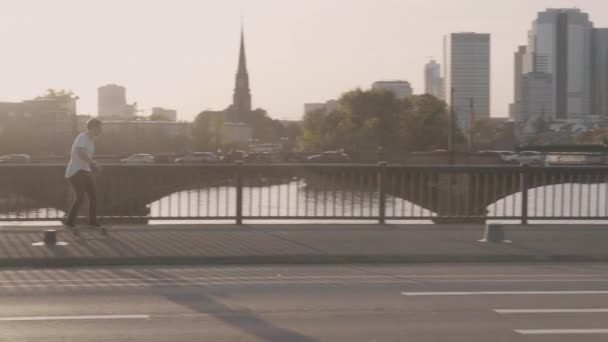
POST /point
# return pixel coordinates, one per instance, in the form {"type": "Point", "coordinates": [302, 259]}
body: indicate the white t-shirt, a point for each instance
{"type": "Point", "coordinates": [76, 163]}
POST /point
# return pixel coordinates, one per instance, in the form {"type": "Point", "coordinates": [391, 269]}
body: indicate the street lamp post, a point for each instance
{"type": "Point", "coordinates": [284, 142]}
{"type": "Point", "coordinates": [380, 152]}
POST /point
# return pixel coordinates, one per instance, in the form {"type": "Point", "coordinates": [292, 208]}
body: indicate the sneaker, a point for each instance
{"type": "Point", "coordinates": [96, 225]}
{"type": "Point", "coordinates": [72, 228]}
{"type": "Point", "coordinates": [68, 224]}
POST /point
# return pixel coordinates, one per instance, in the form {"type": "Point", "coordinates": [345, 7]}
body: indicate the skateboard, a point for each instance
{"type": "Point", "coordinates": [76, 231]}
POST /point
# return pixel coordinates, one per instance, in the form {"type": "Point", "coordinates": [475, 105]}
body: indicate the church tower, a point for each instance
{"type": "Point", "coordinates": [241, 102]}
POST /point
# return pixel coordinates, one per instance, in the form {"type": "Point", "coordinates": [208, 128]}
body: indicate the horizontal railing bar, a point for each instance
{"type": "Point", "coordinates": [432, 168]}
{"type": "Point", "coordinates": [354, 218]}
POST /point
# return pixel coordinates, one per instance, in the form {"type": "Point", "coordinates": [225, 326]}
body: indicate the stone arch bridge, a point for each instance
{"type": "Point", "coordinates": [454, 193]}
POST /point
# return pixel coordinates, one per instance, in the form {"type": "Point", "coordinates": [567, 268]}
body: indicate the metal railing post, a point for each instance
{"type": "Point", "coordinates": [382, 192]}
{"type": "Point", "coordinates": [238, 175]}
{"type": "Point", "coordinates": [525, 186]}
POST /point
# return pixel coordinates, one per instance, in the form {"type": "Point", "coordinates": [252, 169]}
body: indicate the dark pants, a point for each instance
{"type": "Point", "coordinates": [82, 183]}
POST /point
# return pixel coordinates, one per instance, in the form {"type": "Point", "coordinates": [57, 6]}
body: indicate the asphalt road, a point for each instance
{"type": "Point", "coordinates": [507, 302]}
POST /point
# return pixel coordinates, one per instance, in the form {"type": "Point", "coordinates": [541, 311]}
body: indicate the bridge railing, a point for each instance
{"type": "Point", "coordinates": [382, 192]}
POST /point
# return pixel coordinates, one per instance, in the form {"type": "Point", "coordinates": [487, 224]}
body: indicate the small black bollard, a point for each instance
{"type": "Point", "coordinates": [50, 237]}
{"type": "Point", "coordinates": [494, 233]}
{"type": "Point", "coordinates": [50, 240]}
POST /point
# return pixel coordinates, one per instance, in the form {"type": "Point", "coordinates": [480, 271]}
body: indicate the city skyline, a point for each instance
{"type": "Point", "coordinates": [182, 57]}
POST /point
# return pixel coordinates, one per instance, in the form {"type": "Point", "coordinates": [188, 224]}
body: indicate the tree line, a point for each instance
{"type": "Point", "coordinates": [369, 119]}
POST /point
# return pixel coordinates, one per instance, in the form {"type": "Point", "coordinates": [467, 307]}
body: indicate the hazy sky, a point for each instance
{"type": "Point", "coordinates": [182, 54]}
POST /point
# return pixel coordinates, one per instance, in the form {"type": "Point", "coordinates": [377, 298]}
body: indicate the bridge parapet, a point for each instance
{"type": "Point", "coordinates": [308, 192]}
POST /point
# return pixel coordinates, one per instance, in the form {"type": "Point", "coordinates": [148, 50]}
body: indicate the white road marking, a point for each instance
{"type": "Point", "coordinates": [153, 284]}
{"type": "Point", "coordinates": [500, 293]}
{"type": "Point", "coordinates": [75, 280]}
{"type": "Point", "coordinates": [257, 279]}
{"type": "Point", "coordinates": [541, 311]}
{"type": "Point", "coordinates": [561, 331]}
{"type": "Point", "coordinates": [72, 318]}
{"type": "Point", "coordinates": [452, 278]}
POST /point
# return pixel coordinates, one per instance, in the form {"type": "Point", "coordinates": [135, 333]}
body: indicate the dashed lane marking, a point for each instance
{"type": "Point", "coordinates": [548, 311]}
{"type": "Point", "coordinates": [71, 318]}
{"type": "Point", "coordinates": [561, 331]}
{"type": "Point", "coordinates": [501, 293]}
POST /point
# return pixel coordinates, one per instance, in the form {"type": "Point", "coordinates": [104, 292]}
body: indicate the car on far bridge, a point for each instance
{"type": "Point", "coordinates": [16, 159]}
{"type": "Point", "coordinates": [329, 157]}
{"type": "Point", "coordinates": [137, 159]}
{"type": "Point", "coordinates": [503, 155]}
{"type": "Point", "coordinates": [198, 158]}
{"type": "Point", "coordinates": [527, 158]}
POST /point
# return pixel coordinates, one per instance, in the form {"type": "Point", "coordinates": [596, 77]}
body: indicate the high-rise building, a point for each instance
{"type": "Point", "coordinates": [600, 72]}
{"type": "Point", "coordinates": [433, 83]}
{"type": "Point", "coordinates": [401, 89]}
{"type": "Point", "coordinates": [112, 102]}
{"type": "Point", "coordinates": [536, 97]}
{"type": "Point", "coordinates": [519, 57]}
{"type": "Point", "coordinates": [560, 44]}
{"type": "Point", "coordinates": [467, 75]}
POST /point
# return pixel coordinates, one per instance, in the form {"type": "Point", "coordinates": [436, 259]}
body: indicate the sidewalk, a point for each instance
{"type": "Point", "coordinates": [301, 244]}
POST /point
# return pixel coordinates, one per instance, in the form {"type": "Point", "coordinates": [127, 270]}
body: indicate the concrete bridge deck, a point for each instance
{"type": "Point", "coordinates": [301, 244]}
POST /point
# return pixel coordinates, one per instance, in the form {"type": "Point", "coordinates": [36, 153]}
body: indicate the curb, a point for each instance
{"type": "Point", "coordinates": [292, 260]}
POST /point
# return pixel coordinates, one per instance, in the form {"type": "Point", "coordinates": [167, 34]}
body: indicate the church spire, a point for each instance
{"type": "Point", "coordinates": [242, 58]}
{"type": "Point", "coordinates": [242, 96]}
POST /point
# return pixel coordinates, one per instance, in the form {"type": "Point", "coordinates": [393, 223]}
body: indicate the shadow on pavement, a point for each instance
{"type": "Point", "coordinates": [242, 319]}
{"type": "Point", "coordinates": [194, 298]}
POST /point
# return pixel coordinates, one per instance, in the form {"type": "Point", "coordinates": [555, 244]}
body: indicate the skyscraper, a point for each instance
{"type": "Point", "coordinates": [467, 75]}
{"type": "Point", "coordinates": [600, 72]}
{"type": "Point", "coordinates": [433, 83]}
{"type": "Point", "coordinates": [560, 44]}
{"type": "Point", "coordinates": [536, 97]}
{"type": "Point", "coordinates": [519, 57]}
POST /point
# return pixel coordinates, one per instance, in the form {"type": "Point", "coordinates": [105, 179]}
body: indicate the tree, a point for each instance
{"type": "Point", "coordinates": [487, 131]}
{"type": "Point", "coordinates": [207, 130]}
{"type": "Point", "coordinates": [313, 131]}
{"type": "Point", "coordinates": [593, 136]}
{"type": "Point", "coordinates": [366, 120]}
{"type": "Point", "coordinates": [56, 94]}
{"type": "Point", "coordinates": [265, 129]}
{"type": "Point", "coordinates": [541, 125]}
{"type": "Point", "coordinates": [424, 126]}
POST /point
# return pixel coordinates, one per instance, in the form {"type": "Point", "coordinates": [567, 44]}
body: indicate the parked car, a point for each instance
{"type": "Point", "coordinates": [234, 156]}
{"type": "Point", "coordinates": [527, 158]}
{"type": "Point", "coordinates": [16, 159]}
{"type": "Point", "coordinates": [163, 159]}
{"type": "Point", "coordinates": [198, 158]}
{"type": "Point", "coordinates": [261, 157]}
{"type": "Point", "coordinates": [428, 153]}
{"type": "Point", "coordinates": [329, 157]}
{"type": "Point", "coordinates": [504, 155]}
{"type": "Point", "coordinates": [140, 158]}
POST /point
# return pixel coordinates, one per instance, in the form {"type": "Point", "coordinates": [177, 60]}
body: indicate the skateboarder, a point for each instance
{"type": "Point", "coordinates": [79, 173]}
